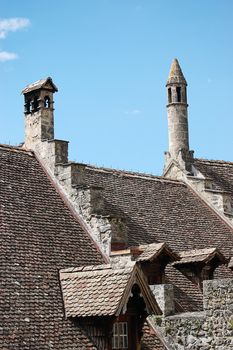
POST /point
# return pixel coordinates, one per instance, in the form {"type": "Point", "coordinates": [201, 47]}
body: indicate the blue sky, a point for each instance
{"type": "Point", "coordinates": [110, 60]}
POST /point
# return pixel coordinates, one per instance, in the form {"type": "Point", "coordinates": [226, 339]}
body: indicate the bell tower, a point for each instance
{"type": "Point", "coordinates": [38, 111]}
{"type": "Point", "coordinates": [177, 109]}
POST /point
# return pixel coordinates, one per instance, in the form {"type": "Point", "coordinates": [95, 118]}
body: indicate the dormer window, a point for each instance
{"type": "Point", "coordinates": [153, 258]}
{"type": "Point", "coordinates": [120, 335]}
{"type": "Point", "coordinates": [47, 102]}
{"type": "Point", "coordinates": [199, 264]}
{"type": "Point", "coordinates": [120, 302]}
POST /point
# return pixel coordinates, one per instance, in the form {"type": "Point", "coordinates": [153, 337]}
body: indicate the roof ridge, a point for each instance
{"type": "Point", "coordinates": [85, 268]}
{"type": "Point", "coordinates": [129, 173]}
{"type": "Point", "coordinates": [84, 271]}
{"type": "Point", "coordinates": [219, 162]}
{"type": "Point", "coordinates": [195, 252]}
{"type": "Point", "coordinates": [16, 149]}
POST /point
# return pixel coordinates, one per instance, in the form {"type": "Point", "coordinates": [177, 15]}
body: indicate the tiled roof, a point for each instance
{"type": "Point", "coordinates": [199, 255]}
{"type": "Point", "coordinates": [150, 339]}
{"type": "Point", "coordinates": [39, 84]}
{"type": "Point", "coordinates": [151, 251]}
{"type": "Point", "coordinates": [98, 290]}
{"type": "Point", "coordinates": [158, 210]}
{"type": "Point", "coordinates": [188, 296]}
{"type": "Point", "coordinates": [38, 236]}
{"type": "Point", "coordinates": [93, 292]}
{"type": "Point", "coordinates": [220, 172]}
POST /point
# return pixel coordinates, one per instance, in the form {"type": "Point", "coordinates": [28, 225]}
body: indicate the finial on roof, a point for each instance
{"type": "Point", "coordinates": [176, 74]}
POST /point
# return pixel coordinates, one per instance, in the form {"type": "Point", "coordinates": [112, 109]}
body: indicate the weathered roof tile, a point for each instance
{"type": "Point", "coordinates": [101, 293]}
{"type": "Point", "coordinates": [199, 255]}
{"type": "Point", "coordinates": [35, 223]}
{"type": "Point", "coordinates": [161, 210]}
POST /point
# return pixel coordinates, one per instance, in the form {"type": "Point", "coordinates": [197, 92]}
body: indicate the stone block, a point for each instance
{"type": "Point", "coordinates": [164, 295]}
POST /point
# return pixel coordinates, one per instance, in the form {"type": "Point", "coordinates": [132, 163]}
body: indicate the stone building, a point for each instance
{"type": "Point", "coordinates": [96, 258]}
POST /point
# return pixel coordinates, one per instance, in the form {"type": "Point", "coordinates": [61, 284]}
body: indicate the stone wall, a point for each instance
{"type": "Point", "coordinates": [211, 329]}
{"type": "Point", "coordinates": [218, 303]}
{"type": "Point", "coordinates": [88, 201]}
{"type": "Point", "coordinates": [164, 295]}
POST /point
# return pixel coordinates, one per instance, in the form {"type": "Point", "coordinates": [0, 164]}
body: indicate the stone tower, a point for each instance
{"type": "Point", "coordinates": [39, 118]}
{"type": "Point", "coordinates": [177, 108]}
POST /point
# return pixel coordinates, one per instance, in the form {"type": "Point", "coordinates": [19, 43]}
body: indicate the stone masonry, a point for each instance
{"type": "Point", "coordinates": [210, 329]}
{"type": "Point", "coordinates": [177, 110]}
{"type": "Point", "coordinates": [87, 201]}
{"type": "Point", "coordinates": [179, 162]}
{"type": "Point", "coordinates": [207, 330]}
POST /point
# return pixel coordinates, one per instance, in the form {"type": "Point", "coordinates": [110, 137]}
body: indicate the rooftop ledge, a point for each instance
{"type": "Point", "coordinates": [216, 191]}
{"type": "Point", "coordinates": [195, 314]}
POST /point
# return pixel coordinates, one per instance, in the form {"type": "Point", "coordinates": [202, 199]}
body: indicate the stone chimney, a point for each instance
{"type": "Point", "coordinates": [38, 111]}
{"type": "Point", "coordinates": [39, 124]}
{"type": "Point", "coordinates": [177, 108]}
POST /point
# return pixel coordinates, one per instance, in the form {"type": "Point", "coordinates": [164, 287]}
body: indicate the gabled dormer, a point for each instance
{"type": "Point", "coordinates": [153, 259]}
{"type": "Point", "coordinates": [112, 304]}
{"type": "Point", "coordinates": [199, 264]}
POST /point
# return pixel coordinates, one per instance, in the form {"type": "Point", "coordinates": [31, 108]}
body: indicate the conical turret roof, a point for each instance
{"type": "Point", "coordinates": [176, 74]}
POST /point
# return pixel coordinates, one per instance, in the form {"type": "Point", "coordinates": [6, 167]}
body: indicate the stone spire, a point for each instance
{"type": "Point", "coordinates": [176, 74]}
{"type": "Point", "coordinates": [177, 109]}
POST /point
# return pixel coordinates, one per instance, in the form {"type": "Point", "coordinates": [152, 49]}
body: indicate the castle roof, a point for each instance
{"type": "Point", "coordinates": [101, 290]}
{"type": "Point", "coordinates": [219, 171]}
{"type": "Point", "coordinates": [157, 210]}
{"type": "Point", "coordinates": [42, 237]}
{"type": "Point", "coordinates": [176, 75]}
{"type": "Point", "coordinates": [38, 236]}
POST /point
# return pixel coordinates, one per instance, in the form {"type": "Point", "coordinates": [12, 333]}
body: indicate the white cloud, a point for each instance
{"type": "Point", "coordinates": [133, 112]}
{"type": "Point", "coordinates": [7, 56]}
{"type": "Point", "coordinates": [12, 25]}
{"type": "Point", "coordinates": [136, 111]}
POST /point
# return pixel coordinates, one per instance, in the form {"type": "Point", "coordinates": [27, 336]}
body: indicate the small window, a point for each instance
{"type": "Point", "coordinates": [35, 104]}
{"type": "Point", "coordinates": [169, 95]}
{"type": "Point", "coordinates": [178, 94]}
{"type": "Point", "coordinates": [29, 106]}
{"type": "Point", "coordinates": [185, 95]}
{"type": "Point", "coordinates": [120, 335]}
{"type": "Point", "coordinates": [47, 102]}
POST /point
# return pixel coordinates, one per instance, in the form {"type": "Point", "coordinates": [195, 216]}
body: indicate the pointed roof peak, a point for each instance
{"type": "Point", "coordinates": [176, 74]}
{"type": "Point", "coordinates": [46, 83]}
